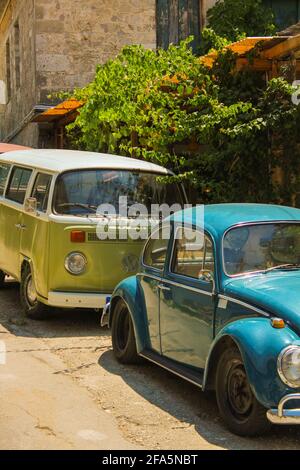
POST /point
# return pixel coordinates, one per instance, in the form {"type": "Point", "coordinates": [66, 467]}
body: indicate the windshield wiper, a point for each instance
{"type": "Point", "coordinates": [84, 206]}
{"type": "Point", "coordinates": [282, 266]}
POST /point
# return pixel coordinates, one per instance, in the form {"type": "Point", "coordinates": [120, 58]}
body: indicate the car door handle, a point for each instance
{"type": "Point", "coordinates": [21, 226]}
{"type": "Point", "coordinates": [164, 288]}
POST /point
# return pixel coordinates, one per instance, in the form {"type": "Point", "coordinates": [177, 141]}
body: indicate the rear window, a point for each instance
{"type": "Point", "coordinates": [18, 184]}
{"type": "Point", "coordinates": [4, 170]}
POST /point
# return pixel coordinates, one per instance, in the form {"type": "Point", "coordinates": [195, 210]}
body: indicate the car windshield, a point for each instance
{"type": "Point", "coordinates": [261, 247]}
{"type": "Point", "coordinates": [81, 192]}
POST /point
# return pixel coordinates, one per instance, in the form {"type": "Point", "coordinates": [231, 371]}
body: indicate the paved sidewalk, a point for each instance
{"type": "Point", "coordinates": [41, 408]}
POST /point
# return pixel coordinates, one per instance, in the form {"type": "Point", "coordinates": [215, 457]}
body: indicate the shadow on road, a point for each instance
{"type": "Point", "coordinates": [191, 406]}
{"type": "Point", "coordinates": [62, 322]}
{"type": "Point", "coordinates": [173, 395]}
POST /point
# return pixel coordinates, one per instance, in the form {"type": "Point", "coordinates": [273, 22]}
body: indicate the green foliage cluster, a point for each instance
{"type": "Point", "coordinates": [223, 133]}
{"type": "Point", "coordinates": [233, 19]}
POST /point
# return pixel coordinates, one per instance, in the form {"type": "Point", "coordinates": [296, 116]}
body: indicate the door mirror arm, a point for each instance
{"type": "Point", "coordinates": [214, 290]}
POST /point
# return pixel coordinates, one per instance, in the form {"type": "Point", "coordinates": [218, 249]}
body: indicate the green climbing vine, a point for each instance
{"type": "Point", "coordinates": [228, 135]}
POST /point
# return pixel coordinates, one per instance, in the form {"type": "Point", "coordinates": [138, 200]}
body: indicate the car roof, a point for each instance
{"type": "Point", "coordinates": [66, 160]}
{"type": "Point", "coordinates": [220, 217]}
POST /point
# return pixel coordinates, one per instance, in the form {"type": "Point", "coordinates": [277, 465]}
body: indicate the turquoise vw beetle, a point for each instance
{"type": "Point", "coordinates": [218, 303]}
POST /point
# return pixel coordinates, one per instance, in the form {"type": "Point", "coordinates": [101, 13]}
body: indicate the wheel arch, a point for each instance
{"type": "Point", "coordinates": [129, 292]}
{"type": "Point", "coordinates": [25, 261]}
{"type": "Point", "coordinates": [259, 345]}
{"type": "Point", "coordinates": [112, 307]}
{"type": "Point", "coordinates": [224, 343]}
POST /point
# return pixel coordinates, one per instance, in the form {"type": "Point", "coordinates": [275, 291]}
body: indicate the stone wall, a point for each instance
{"type": "Point", "coordinates": [22, 96]}
{"type": "Point", "coordinates": [61, 43]}
{"type": "Point", "coordinates": [73, 36]}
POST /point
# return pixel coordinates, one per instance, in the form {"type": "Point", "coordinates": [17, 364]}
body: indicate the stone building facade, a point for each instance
{"type": "Point", "coordinates": [53, 45]}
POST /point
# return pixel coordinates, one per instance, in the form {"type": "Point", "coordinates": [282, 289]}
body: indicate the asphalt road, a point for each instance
{"type": "Point", "coordinates": [61, 388]}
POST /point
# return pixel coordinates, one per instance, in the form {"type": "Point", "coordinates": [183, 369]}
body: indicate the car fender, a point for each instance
{"type": "Point", "coordinates": [131, 293]}
{"type": "Point", "coordinates": [259, 344]}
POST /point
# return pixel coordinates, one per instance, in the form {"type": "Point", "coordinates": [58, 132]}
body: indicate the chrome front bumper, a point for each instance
{"type": "Point", "coordinates": [282, 416]}
{"type": "Point", "coordinates": [77, 300]}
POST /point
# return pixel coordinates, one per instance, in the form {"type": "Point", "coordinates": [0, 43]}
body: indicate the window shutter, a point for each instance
{"type": "Point", "coordinates": [287, 12]}
{"type": "Point", "coordinates": [177, 20]}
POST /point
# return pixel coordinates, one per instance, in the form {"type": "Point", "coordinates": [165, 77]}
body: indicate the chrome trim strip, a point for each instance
{"type": "Point", "coordinates": [244, 304]}
{"type": "Point", "coordinates": [176, 284]}
{"type": "Point", "coordinates": [171, 370]}
{"type": "Point", "coordinates": [151, 276]}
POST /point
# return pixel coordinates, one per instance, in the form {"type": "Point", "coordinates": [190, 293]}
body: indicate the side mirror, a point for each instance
{"type": "Point", "coordinates": [31, 205]}
{"type": "Point", "coordinates": [208, 276]}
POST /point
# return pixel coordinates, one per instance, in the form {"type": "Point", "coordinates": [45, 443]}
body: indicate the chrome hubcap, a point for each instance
{"type": "Point", "coordinates": [31, 291]}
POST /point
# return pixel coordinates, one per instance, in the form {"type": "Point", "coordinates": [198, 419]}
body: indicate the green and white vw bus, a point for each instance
{"type": "Point", "coordinates": [49, 216]}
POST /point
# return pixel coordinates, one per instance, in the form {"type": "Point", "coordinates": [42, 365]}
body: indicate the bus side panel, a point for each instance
{"type": "Point", "coordinates": [35, 247]}
{"type": "Point", "coordinates": [10, 218]}
{"type": "Point", "coordinates": [108, 262]}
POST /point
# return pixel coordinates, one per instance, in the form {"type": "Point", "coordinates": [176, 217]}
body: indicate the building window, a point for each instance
{"type": "Point", "coordinates": [287, 12]}
{"type": "Point", "coordinates": [8, 71]}
{"type": "Point", "coordinates": [17, 55]}
{"type": "Point", "coordinates": [176, 20]}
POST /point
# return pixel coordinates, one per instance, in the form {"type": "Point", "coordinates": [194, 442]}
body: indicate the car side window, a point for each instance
{"type": "Point", "coordinates": [4, 171]}
{"type": "Point", "coordinates": [41, 191]}
{"type": "Point", "coordinates": [156, 250]}
{"type": "Point", "coordinates": [18, 184]}
{"type": "Point", "coordinates": [193, 255]}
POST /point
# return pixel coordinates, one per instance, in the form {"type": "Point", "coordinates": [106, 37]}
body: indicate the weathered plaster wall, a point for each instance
{"type": "Point", "coordinates": [73, 36]}
{"type": "Point", "coordinates": [206, 5]}
{"type": "Point", "coordinates": [22, 97]}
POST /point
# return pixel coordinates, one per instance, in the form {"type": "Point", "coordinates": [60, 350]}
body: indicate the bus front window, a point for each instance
{"type": "Point", "coordinates": [81, 192]}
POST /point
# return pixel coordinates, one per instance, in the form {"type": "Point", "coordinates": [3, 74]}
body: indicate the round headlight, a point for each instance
{"type": "Point", "coordinates": [76, 263]}
{"type": "Point", "coordinates": [289, 366]}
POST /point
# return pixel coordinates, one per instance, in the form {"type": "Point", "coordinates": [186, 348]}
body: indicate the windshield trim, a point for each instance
{"type": "Point", "coordinates": [250, 224]}
{"type": "Point", "coordinates": [180, 186]}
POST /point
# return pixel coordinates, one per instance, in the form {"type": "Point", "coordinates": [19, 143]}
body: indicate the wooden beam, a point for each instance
{"type": "Point", "coordinates": [67, 119]}
{"type": "Point", "coordinates": [282, 49]}
{"type": "Point", "coordinates": [263, 65]}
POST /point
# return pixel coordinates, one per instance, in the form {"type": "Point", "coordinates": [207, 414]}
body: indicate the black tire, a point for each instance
{"type": "Point", "coordinates": [2, 279]}
{"type": "Point", "coordinates": [123, 337]}
{"type": "Point", "coordinates": [32, 308]}
{"type": "Point", "coordinates": [239, 408]}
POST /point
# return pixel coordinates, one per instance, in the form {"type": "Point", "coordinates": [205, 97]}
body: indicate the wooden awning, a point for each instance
{"type": "Point", "coordinates": [271, 51]}
{"type": "Point", "coordinates": [62, 114]}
